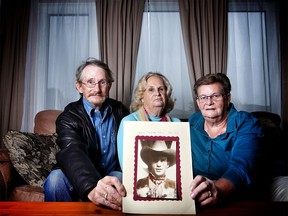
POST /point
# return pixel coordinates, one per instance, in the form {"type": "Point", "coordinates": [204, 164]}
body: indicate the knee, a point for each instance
{"type": "Point", "coordinates": [54, 179]}
{"type": "Point", "coordinates": [280, 189]}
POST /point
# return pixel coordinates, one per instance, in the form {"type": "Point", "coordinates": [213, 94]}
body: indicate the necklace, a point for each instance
{"type": "Point", "coordinates": [157, 180]}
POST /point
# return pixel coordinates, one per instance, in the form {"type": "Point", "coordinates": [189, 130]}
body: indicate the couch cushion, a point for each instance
{"type": "Point", "coordinates": [27, 193]}
{"type": "Point", "coordinates": [4, 156]}
{"type": "Point", "coordinates": [32, 155]}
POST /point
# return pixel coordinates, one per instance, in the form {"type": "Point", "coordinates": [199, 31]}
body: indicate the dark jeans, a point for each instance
{"type": "Point", "coordinates": [58, 188]}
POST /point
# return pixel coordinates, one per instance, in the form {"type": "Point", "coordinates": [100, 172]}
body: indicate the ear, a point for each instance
{"type": "Point", "coordinates": [109, 86]}
{"type": "Point", "coordinates": [228, 99]}
{"type": "Point", "coordinates": [79, 87]}
{"type": "Point", "coordinates": [198, 103]}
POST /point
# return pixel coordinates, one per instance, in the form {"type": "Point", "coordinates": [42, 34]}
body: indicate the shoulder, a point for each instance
{"type": "Point", "coordinates": [73, 116]}
{"type": "Point", "coordinates": [175, 120]}
{"type": "Point", "coordinates": [73, 109]}
{"type": "Point", "coordinates": [141, 183]}
{"type": "Point", "coordinates": [195, 117]}
{"type": "Point", "coordinates": [242, 120]}
{"type": "Point", "coordinates": [170, 183]}
{"type": "Point", "coordinates": [241, 116]}
{"type": "Point", "coordinates": [72, 123]}
{"type": "Point", "coordinates": [74, 105]}
{"type": "Point", "coordinates": [131, 117]}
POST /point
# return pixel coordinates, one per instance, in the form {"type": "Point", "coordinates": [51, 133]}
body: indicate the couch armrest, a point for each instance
{"type": "Point", "coordinates": [6, 170]}
{"type": "Point", "coordinates": [45, 121]}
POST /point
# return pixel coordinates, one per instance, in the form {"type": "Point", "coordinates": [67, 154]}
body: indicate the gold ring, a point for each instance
{"type": "Point", "coordinates": [105, 196]}
{"type": "Point", "coordinates": [209, 194]}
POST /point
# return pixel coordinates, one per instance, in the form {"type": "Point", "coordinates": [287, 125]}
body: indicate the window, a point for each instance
{"type": "Point", "coordinates": [253, 57]}
{"type": "Point", "coordinates": [66, 34]}
{"type": "Point", "coordinates": [162, 50]}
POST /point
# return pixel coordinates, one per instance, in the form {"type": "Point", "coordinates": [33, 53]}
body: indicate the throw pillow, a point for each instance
{"type": "Point", "coordinates": [32, 155]}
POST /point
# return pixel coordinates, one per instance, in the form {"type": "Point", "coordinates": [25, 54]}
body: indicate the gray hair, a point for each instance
{"type": "Point", "coordinates": [98, 63]}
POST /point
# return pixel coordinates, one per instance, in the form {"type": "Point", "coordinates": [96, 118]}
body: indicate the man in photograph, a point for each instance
{"type": "Point", "coordinates": [158, 156]}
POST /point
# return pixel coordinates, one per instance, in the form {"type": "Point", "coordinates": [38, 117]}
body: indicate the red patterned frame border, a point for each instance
{"type": "Point", "coordinates": [178, 167]}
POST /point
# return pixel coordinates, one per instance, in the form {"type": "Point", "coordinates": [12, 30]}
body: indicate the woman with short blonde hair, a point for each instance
{"type": "Point", "coordinates": [153, 101]}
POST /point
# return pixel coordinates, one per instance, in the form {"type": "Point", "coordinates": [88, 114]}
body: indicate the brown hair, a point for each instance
{"type": "Point", "coordinates": [214, 78]}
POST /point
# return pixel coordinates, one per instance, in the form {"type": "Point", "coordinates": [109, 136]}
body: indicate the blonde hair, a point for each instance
{"type": "Point", "coordinates": [141, 87]}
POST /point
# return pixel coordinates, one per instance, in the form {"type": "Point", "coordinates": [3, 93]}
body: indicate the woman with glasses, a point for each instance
{"type": "Point", "coordinates": [225, 144]}
{"type": "Point", "coordinates": [152, 102]}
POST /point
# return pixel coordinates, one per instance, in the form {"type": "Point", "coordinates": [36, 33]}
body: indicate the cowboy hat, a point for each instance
{"type": "Point", "coordinates": [152, 149]}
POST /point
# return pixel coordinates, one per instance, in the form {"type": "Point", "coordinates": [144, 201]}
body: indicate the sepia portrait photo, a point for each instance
{"type": "Point", "coordinates": [156, 168]}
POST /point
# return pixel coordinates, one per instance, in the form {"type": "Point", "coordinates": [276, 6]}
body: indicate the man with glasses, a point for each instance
{"type": "Point", "coordinates": [225, 144]}
{"type": "Point", "coordinates": [87, 164]}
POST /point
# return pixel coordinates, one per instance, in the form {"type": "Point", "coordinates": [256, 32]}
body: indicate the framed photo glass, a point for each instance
{"type": "Point", "coordinates": [157, 168]}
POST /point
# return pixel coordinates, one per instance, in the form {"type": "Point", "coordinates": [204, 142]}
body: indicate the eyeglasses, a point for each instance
{"type": "Point", "coordinates": [214, 97]}
{"type": "Point", "coordinates": [92, 84]}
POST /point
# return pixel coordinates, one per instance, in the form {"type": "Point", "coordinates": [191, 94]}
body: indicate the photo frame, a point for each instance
{"type": "Point", "coordinates": [157, 168]}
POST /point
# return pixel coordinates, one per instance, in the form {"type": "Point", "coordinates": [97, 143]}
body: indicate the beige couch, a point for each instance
{"type": "Point", "coordinates": [12, 185]}
{"type": "Point", "coordinates": [14, 188]}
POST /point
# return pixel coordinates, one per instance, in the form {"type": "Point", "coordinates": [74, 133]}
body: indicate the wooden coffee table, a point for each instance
{"type": "Point", "coordinates": [88, 208]}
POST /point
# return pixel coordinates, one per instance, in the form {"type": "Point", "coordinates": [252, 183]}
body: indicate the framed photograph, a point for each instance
{"type": "Point", "coordinates": [157, 168]}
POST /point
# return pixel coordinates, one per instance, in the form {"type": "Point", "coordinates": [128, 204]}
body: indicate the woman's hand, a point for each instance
{"type": "Point", "coordinates": [108, 192]}
{"type": "Point", "coordinates": [204, 191]}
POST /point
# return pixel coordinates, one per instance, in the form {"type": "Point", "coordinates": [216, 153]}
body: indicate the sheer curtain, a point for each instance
{"type": "Point", "coordinates": [253, 56]}
{"type": "Point", "coordinates": [62, 34]}
{"type": "Point", "coordinates": [161, 49]}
